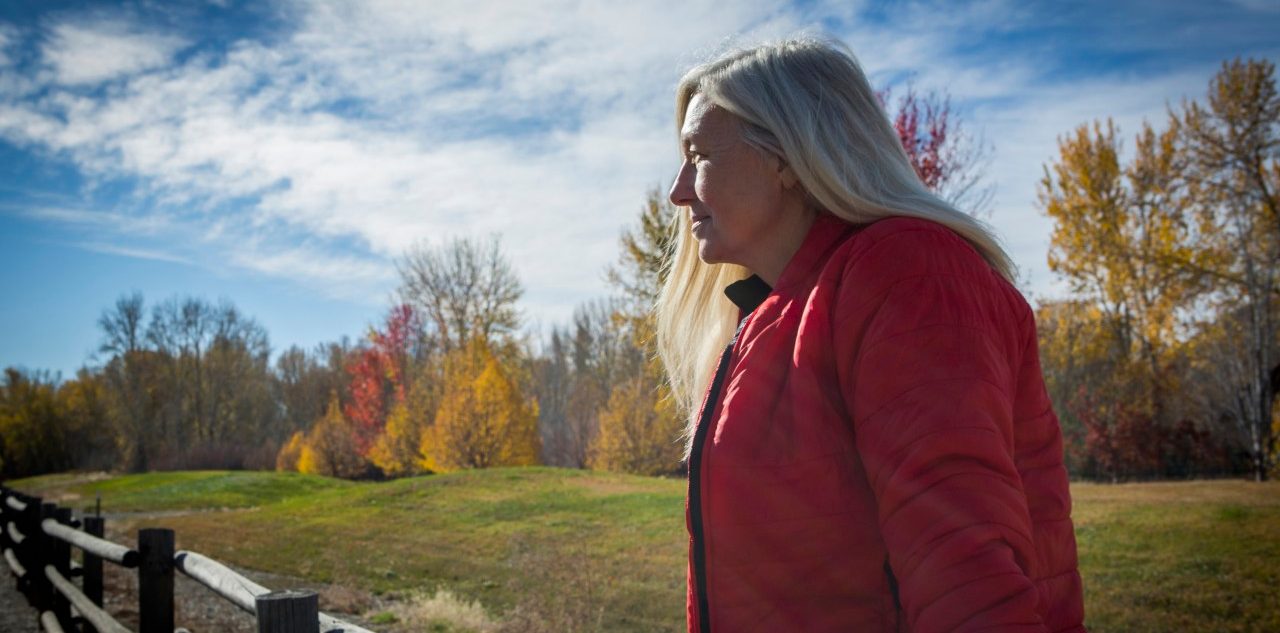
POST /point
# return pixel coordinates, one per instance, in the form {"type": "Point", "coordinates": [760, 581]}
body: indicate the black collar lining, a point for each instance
{"type": "Point", "coordinates": [748, 293]}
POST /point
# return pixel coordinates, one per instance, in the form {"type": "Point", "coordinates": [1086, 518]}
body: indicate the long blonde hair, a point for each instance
{"type": "Point", "coordinates": [807, 101]}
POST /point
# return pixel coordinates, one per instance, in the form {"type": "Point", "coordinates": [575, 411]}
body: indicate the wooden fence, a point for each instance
{"type": "Point", "coordinates": [37, 540]}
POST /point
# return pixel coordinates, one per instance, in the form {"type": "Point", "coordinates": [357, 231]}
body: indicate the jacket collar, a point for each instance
{"type": "Point", "coordinates": [748, 293]}
{"type": "Point", "coordinates": [826, 232]}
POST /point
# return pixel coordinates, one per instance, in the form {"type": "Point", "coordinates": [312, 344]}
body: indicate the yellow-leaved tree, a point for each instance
{"type": "Point", "coordinates": [1120, 232]}
{"type": "Point", "coordinates": [639, 428]}
{"type": "Point", "coordinates": [639, 431]}
{"type": "Point", "coordinates": [291, 452]}
{"type": "Point", "coordinates": [329, 447]}
{"type": "Point", "coordinates": [484, 419]}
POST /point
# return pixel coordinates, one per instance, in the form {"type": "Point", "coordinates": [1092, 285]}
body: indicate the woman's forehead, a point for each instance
{"type": "Point", "coordinates": [705, 121]}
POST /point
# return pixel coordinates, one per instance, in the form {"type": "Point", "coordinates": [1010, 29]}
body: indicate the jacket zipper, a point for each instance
{"type": "Point", "coordinates": [695, 484]}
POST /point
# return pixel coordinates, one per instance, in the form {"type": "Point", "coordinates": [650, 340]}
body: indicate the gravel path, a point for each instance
{"type": "Point", "coordinates": [16, 616]}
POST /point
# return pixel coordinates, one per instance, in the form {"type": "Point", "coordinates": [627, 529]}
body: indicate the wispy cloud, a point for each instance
{"type": "Point", "coordinates": [141, 225]}
{"type": "Point", "coordinates": [93, 52]}
{"type": "Point", "coordinates": [135, 253]}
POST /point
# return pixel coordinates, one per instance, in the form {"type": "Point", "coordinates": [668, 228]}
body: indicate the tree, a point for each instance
{"type": "Point", "coordinates": [552, 384]}
{"type": "Point", "coordinates": [947, 159]}
{"type": "Point", "coordinates": [484, 419]}
{"type": "Point", "coordinates": [122, 329]}
{"type": "Point", "coordinates": [605, 369]}
{"type": "Point", "coordinates": [1078, 361]}
{"type": "Point", "coordinates": [330, 448]}
{"type": "Point", "coordinates": [396, 450]}
{"type": "Point", "coordinates": [82, 407]}
{"type": "Point", "coordinates": [466, 289]}
{"type": "Point", "coordinates": [639, 432]}
{"type": "Point", "coordinates": [646, 248]}
{"type": "Point", "coordinates": [216, 383]}
{"type": "Point", "coordinates": [291, 452]}
{"type": "Point", "coordinates": [128, 375]}
{"type": "Point", "coordinates": [1116, 230]}
{"type": "Point", "coordinates": [379, 374]}
{"type": "Point", "coordinates": [32, 433]}
{"type": "Point", "coordinates": [1231, 146]}
{"type": "Point", "coordinates": [303, 381]}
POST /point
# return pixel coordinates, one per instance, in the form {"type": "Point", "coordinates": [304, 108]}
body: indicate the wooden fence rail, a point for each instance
{"type": "Point", "coordinates": [37, 540]}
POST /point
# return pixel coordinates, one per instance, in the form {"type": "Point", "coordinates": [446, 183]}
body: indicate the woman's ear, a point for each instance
{"type": "Point", "coordinates": [788, 176]}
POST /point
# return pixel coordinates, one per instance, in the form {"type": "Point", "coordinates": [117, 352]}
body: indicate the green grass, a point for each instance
{"type": "Point", "coordinates": [185, 490]}
{"type": "Point", "coordinates": [1195, 556]}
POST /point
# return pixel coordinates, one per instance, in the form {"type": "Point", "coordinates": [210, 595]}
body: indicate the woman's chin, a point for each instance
{"type": "Point", "coordinates": [708, 254]}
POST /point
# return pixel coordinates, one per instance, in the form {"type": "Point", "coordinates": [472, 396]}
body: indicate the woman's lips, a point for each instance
{"type": "Point", "coordinates": [699, 220]}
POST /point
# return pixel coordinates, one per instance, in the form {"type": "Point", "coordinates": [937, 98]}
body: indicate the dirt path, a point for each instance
{"type": "Point", "coordinates": [16, 616]}
{"type": "Point", "coordinates": [197, 608]}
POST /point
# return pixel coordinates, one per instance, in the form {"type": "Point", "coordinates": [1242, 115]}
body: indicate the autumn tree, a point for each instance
{"type": "Point", "coordinates": [129, 375]}
{"type": "Point", "coordinates": [217, 399]}
{"type": "Point", "coordinates": [83, 409]}
{"type": "Point", "coordinates": [465, 289]}
{"type": "Point", "coordinates": [947, 158]}
{"type": "Point", "coordinates": [1231, 145]}
{"type": "Point", "coordinates": [32, 434]}
{"type": "Point", "coordinates": [484, 418]}
{"type": "Point", "coordinates": [1117, 228]}
{"type": "Point", "coordinates": [380, 373]}
{"type": "Point", "coordinates": [638, 425]}
{"type": "Point", "coordinates": [329, 448]}
{"type": "Point", "coordinates": [639, 431]}
{"type": "Point", "coordinates": [1078, 360]}
{"type": "Point", "coordinates": [303, 380]}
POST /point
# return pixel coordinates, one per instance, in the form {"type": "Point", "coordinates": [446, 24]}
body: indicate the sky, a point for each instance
{"type": "Point", "coordinates": [283, 155]}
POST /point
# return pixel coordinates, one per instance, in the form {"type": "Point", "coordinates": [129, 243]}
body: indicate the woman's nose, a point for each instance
{"type": "Point", "coordinates": [681, 193]}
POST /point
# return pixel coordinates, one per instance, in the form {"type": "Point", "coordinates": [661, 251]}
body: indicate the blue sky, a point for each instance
{"type": "Point", "coordinates": [283, 155]}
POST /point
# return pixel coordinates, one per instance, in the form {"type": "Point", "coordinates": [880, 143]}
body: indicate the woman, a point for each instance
{"type": "Point", "coordinates": [876, 450]}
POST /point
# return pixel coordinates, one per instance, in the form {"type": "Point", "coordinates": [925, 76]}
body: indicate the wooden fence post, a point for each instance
{"type": "Point", "coordinates": [61, 561]}
{"type": "Point", "coordinates": [44, 554]}
{"type": "Point", "coordinates": [91, 566]}
{"type": "Point", "coordinates": [28, 552]}
{"type": "Point", "coordinates": [155, 580]}
{"type": "Point", "coordinates": [288, 612]}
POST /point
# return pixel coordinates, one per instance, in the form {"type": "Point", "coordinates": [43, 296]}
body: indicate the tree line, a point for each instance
{"type": "Point", "coordinates": [1161, 362]}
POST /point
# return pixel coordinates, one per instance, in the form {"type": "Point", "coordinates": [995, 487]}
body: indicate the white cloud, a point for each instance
{"type": "Point", "coordinates": [337, 276]}
{"type": "Point", "coordinates": [470, 118]}
{"type": "Point", "coordinates": [135, 253]}
{"type": "Point", "coordinates": [379, 124]}
{"type": "Point", "coordinates": [90, 53]}
{"type": "Point", "coordinates": [136, 225]}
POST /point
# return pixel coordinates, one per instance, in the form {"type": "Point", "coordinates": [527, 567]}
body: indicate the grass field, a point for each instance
{"type": "Point", "coordinates": [560, 549]}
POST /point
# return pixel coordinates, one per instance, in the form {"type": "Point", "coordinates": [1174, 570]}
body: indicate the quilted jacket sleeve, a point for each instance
{"type": "Point", "coordinates": [928, 361]}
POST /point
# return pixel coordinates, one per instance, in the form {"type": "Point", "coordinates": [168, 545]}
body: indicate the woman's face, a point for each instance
{"type": "Point", "coordinates": [734, 192]}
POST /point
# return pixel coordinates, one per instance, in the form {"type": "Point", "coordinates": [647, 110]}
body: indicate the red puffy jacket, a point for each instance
{"type": "Point", "coordinates": [878, 452]}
